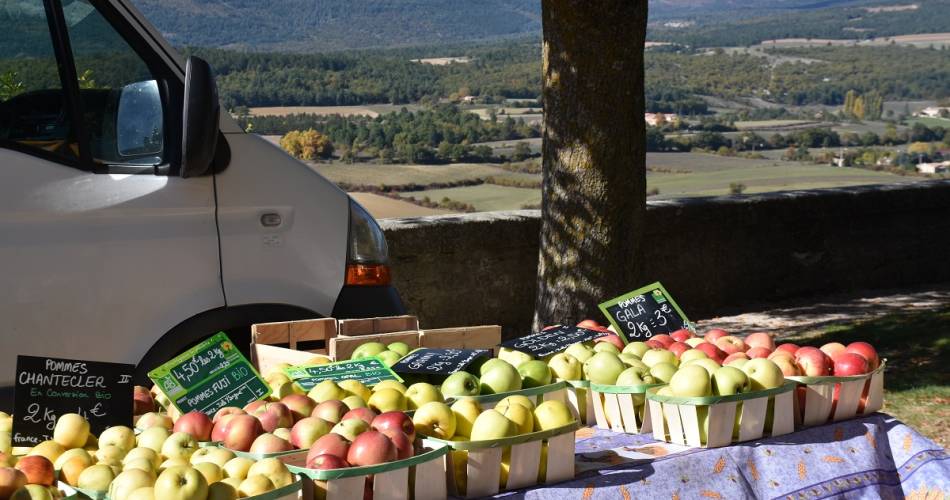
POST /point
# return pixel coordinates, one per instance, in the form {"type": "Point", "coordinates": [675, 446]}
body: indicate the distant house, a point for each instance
{"type": "Point", "coordinates": [657, 119]}
{"type": "Point", "coordinates": [933, 168]}
{"type": "Point", "coordinates": [468, 99]}
{"type": "Point", "coordinates": [933, 111]}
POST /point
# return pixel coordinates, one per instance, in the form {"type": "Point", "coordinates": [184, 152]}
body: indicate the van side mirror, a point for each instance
{"type": "Point", "coordinates": [200, 128]}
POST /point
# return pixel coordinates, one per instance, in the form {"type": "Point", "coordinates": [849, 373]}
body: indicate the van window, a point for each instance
{"type": "Point", "coordinates": [33, 110]}
{"type": "Point", "coordinates": [121, 101]}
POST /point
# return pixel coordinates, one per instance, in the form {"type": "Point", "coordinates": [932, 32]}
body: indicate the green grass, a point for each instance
{"type": "Point", "coordinates": [917, 380]}
{"type": "Point", "coordinates": [930, 122]}
{"type": "Point", "coordinates": [396, 175]}
{"type": "Point", "coordinates": [485, 197]}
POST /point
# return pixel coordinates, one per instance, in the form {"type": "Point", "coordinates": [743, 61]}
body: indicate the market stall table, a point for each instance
{"type": "Point", "coordinates": [872, 457]}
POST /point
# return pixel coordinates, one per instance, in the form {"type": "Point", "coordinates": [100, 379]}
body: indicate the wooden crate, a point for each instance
{"type": "Point", "coordinates": [465, 337]}
{"type": "Point", "coordinates": [820, 400]}
{"type": "Point", "coordinates": [580, 400]}
{"type": "Point", "coordinates": [421, 477]}
{"type": "Point", "coordinates": [483, 461]}
{"type": "Point", "coordinates": [681, 420]}
{"type": "Point", "coordinates": [353, 333]}
{"type": "Point", "coordinates": [273, 343]}
{"type": "Point", "coordinates": [615, 408]}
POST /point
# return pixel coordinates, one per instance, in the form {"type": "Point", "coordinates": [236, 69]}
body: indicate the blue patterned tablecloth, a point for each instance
{"type": "Point", "coordinates": [871, 457]}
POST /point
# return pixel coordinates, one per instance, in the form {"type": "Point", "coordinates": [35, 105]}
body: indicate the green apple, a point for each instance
{"type": "Point", "coordinates": [350, 428]}
{"type": "Point", "coordinates": [691, 354]}
{"type": "Point", "coordinates": [181, 483]}
{"type": "Point", "coordinates": [179, 445]}
{"type": "Point", "coordinates": [390, 384]}
{"type": "Point", "coordinates": [500, 378]}
{"type": "Point", "coordinates": [738, 362]}
{"type": "Point", "coordinates": [763, 374]}
{"type": "Point", "coordinates": [518, 399]}
{"type": "Point", "coordinates": [636, 348]}
{"type": "Point", "coordinates": [728, 380]}
{"type": "Point", "coordinates": [606, 347]}
{"type": "Point", "coordinates": [566, 367]}
{"type": "Point", "coordinates": [630, 359]}
{"type": "Point", "coordinates": [603, 368]}
{"type": "Point", "coordinates": [514, 356]}
{"type": "Point", "coordinates": [534, 373]}
{"type": "Point", "coordinates": [435, 419]}
{"type": "Point", "coordinates": [466, 410]}
{"type": "Point", "coordinates": [491, 364]}
{"type": "Point", "coordinates": [389, 357]}
{"type": "Point", "coordinates": [491, 424]}
{"type": "Point", "coordinates": [691, 381]}
{"type": "Point", "coordinates": [521, 416]}
{"type": "Point", "coordinates": [421, 393]}
{"type": "Point", "coordinates": [368, 349]}
{"type": "Point", "coordinates": [709, 364]}
{"type": "Point", "coordinates": [387, 400]}
{"type": "Point", "coordinates": [551, 415]}
{"type": "Point", "coordinates": [665, 391]}
{"type": "Point", "coordinates": [460, 384]}
{"type": "Point", "coordinates": [580, 351]}
{"type": "Point", "coordinates": [634, 376]}
{"type": "Point", "coordinates": [695, 341]}
{"type": "Point", "coordinates": [401, 347]}
{"type": "Point", "coordinates": [325, 391]}
{"type": "Point", "coordinates": [654, 356]}
{"type": "Point", "coordinates": [96, 478]}
{"type": "Point", "coordinates": [128, 481]}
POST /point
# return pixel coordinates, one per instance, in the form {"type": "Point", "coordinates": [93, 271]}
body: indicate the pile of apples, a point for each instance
{"type": "Point", "coordinates": [389, 353]}
{"type": "Point", "coordinates": [158, 463]}
{"type": "Point", "coordinates": [466, 420]}
{"type": "Point", "coordinates": [511, 371]}
{"type": "Point", "coordinates": [6, 433]}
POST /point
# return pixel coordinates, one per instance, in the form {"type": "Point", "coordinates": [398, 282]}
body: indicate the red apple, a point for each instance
{"type": "Point", "coordinates": [731, 344]}
{"type": "Point", "coordinates": [274, 416]}
{"type": "Point", "coordinates": [401, 441]}
{"type": "Point", "coordinates": [781, 354]}
{"type": "Point", "coordinates": [678, 348]}
{"type": "Point", "coordinates": [832, 348]}
{"type": "Point", "coordinates": [712, 351]}
{"type": "Point", "coordinates": [758, 352]}
{"type": "Point", "coordinates": [269, 443]}
{"type": "Point", "coordinates": [366, 414]}
{"type": "Point", "coordinates": [195, 423]}
{"type": "Point", "coordinates": [761, 339]}
{"type": "Point", "coordinates": [786, 363]}
{"type": "Point", "coordinates": [715, 334]}
{"type": "Point", "coordinates": [682, 334]}
{"type": "Point", "coordinates": [394, 420]}
{"type": "Point", "coordinates": [866, 350]}
{"type": "Point", "coordinates": [227, 410]}
{"type": "Point", "coordinates": [789, 348]}
{"type": "Point", "coordinates": [589, 324]}
{"type": "Point", "coordinates": [254, 406]}
{"type": "Point", "coordinates": [300, 405]}
{"type": "Point", "coordinates": [326, 462]}
{"type": "Point", "coordinates": [307, 430]}
{"type": "Point", "coordinates": [663, 339]}
{"type": "Point", "coordinates": [549, 327]}
{"type": "Point", "coordinates": [241, 431]}
{"type": "Point", "coordinates": [38, 470]}
{"type": "Point", "coordinates": [734, 356]}
{"type": "Point", "coordinates": [613, 339]}
{"type": "Point", "coordinates": [371, 448]}
{"type": "Point", "coordinates": [654, 344]}
{"type": "Point", "coordinates": [813, 362]}
{"type": "Point", "coordinates": [849, 363]}
{"type": "Point", "coordinates": [142, 400]}
{"type": "Point", "coordinates": [329, 444]}
{"type": "Point", "coordinates": [330, 410]}
{"type": "Point", "coordinates": [10, 480]}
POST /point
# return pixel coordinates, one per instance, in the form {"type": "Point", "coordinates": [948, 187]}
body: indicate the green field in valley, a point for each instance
{"type": "Point", "coordinates": [484, 197]}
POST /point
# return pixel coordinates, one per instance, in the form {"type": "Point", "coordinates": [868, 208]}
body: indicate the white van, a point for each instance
{"type": "Point", "coordinates": [134, 220]}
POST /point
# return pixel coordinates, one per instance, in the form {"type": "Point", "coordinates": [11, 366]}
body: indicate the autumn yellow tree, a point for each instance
{"type": "Point", "coordinates": [306, 145]}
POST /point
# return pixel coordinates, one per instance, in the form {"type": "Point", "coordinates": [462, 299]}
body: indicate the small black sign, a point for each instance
{"type": "Point", "coordinates": [645, 312]}
{"type": "Point", "coordinates": [438, 361]}
{"type": "Point", "coordinates": [48, 387]}
{"type": "Point", "coordinates": [552, 340]}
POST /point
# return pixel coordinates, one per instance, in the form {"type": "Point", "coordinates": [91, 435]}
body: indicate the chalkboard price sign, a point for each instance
{"type": "Point", "coordinates": [47, 388]}
{"type": "Point", "coordinates": [551, 340]}
{"type": "Point", "coordinates": [438, 361]}
{"type": "Point", "coordinates": [645, 312]}
{"type": "Point", "coordinates": [369, 371]}
{"type": "Point", "coordinates": [210, 376]}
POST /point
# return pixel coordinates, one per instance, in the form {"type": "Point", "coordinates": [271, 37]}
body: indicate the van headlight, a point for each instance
{"type": "Point", "coordinates": [367, 256]}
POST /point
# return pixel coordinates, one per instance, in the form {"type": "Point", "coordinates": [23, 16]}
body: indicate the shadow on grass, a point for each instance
{"type": "Point", "coordinates": [916, 345]}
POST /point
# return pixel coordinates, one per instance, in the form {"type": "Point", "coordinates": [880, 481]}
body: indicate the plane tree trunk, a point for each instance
{"type": "Point", "coordinates": [594, 156]}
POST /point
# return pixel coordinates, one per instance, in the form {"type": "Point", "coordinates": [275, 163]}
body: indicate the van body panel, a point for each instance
{"type": "Point", "coordinates": [302, 261]}
{"type": "Point", "coordinates": [99, 266]}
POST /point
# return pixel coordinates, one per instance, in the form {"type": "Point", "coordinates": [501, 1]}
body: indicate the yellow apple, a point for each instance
{"type": "Point", "coordinates": [96, 478]}
{"type": "Point", "coordinates": [237, 467]}
{"type": "Point", "coordinates": [110, 453]}
{"type": "Point", "coordinates": [272, 469]}
{"type": "Point", "coordinates": [521, 416]}
{"type": "Point", "coordinates": [390, 384]}
{"type": "Point", "coordinates": [217, 456]}
{"type": "Point", "coordinates": [73, 453]}
{"type": "Point", "coordinates": [141, 464]}
{"type": "Point", "coordinates": [128, 481]}
{"type": "Point", "coordinates": [255, 485]}
{"type": "Point", "coordinates": [210, 471]}
{"type": "Point", "coordinates": [551, 415]}
{"type": "Point", "coordinates": [356, 388]}
{"type": "Point", "coordinates": [120, 435]}
{"type": "Point", "coordinates": [71, 431]}
{"type": "Point", "coordinates": [466, 410]}
{"type": "Point", "coordinates": [181, 483]}
{"type": "Point", "coordinates": [142, 452]}
{"type": "Point", "coordinates": [49, 449]}
{"type": "Point", "coordinates": [145, 493]}
{"type": "Point", "coordinates": [222, 491]}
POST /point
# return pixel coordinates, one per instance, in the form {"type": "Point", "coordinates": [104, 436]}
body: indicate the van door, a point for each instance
{"type": "Point", "coordinates": [101, 253]}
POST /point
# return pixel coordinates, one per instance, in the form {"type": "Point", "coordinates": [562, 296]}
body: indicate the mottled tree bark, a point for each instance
{"type": "Point", "coordinates": [594, 155]}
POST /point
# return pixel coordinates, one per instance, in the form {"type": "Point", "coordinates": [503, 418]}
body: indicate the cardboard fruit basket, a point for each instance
{"type": "Point", "coordinates": [731, 419]}
{"type": "Point", "coordinates": [820, 400]}
{"type": "Point", "coordinates": [478, 468]}
{"type": "Point", "coordinates": [622, 408]}
{"type": "Point", "coordinates": [580, 399]}
{"type": "Point", "coordinates": [423, 475]}
{"type": "Point", "coordinates": [289, 492]}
